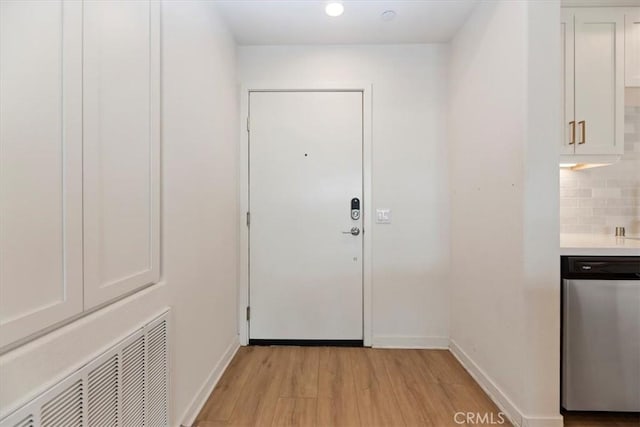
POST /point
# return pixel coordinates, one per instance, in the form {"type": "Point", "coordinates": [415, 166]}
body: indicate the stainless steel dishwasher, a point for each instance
{"type": "Point", "coordinates": [601, 334]}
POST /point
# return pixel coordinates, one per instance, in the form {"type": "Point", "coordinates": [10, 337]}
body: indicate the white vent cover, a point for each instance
{"type": "Point", "coordinates": [126, 386]}
{"type": "Point", "coordinates": [102, 393]}
{"type": "Point", "coordinates": [65, 409]}
{"type": "Point", "coordinates": [133, 383]}
{"type": "Point", "coordinates": [157, 375]}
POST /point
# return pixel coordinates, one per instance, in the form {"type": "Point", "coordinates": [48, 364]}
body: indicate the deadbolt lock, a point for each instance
{"type": "Point", "coordinates": [355, 209]}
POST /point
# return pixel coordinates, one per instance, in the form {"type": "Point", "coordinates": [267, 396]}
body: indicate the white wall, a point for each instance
{"type": "Point", "coordinates": [199, 216]}
{"type": "Point", "coordinates": [410, 256]}
{"type": "Point", "coordinates": [200, 142]}
{"type": "Point", "coordinates": [504, 104]}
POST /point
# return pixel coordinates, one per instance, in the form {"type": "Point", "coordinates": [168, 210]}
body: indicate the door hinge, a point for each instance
{"type": "Point", "coordinates": [248, 124]}
{"type": "Point", "coordinates": [248, 313]}
{"type": "Point", "coordinates": [248, 219]}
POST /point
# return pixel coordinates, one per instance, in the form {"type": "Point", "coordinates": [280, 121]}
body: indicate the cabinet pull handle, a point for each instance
{"type": "Point", "coordinates": [573, 132]}
{"type": "Point", "coordinates": [584, 131]}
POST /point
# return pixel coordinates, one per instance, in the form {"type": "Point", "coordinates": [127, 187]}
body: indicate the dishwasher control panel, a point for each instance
{"type": "Point", "coordinates": [623, 267]}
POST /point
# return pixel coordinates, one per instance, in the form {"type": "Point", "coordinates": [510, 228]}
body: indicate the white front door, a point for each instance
{"type": "Point", "coordinates": [305, 170]}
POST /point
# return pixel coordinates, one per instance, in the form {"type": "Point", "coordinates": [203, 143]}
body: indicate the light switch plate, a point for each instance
{"type": "Point", "coordinates": [383, 216]}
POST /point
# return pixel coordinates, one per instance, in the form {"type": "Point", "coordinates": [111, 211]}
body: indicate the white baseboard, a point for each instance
{"type": "Point", "coordinates": [200, 398]}
{"type": "Point", "coordinates": [499, 398]}
{"type": "Point", "coordinates": [410, 342]}
{"type": "Point", "coordinates": [503, 402]}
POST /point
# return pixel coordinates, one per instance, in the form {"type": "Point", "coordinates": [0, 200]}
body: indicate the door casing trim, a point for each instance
{"type": "Point", "coordinates": [367, 212]}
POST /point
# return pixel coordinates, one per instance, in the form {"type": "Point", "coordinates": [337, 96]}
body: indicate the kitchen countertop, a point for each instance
{"type": "Point", "coordinates": [599, 245]}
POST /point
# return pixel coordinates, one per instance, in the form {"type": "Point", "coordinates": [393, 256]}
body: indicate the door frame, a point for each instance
{"type": "Point", "coordinates": [367, 211]}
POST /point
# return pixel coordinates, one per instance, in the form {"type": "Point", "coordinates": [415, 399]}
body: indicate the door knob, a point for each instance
{"type": "Point", "coordinates": [354, 231]}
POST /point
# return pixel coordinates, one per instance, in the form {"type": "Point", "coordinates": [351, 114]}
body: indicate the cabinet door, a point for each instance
{"type": "Point", "coordinates": [568, 112]}
{"type": "Point", "coordinates": [40, 165]}
{"type": "Point", "coordinates": [632, 47]}
{"type": "Point", "coordinates": [599, 80]}
{"type": "Point", "coordinates": [121, 147]}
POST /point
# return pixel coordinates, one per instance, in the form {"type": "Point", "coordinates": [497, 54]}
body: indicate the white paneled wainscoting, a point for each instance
{"type": "Point", "coordinates": [127, 385]}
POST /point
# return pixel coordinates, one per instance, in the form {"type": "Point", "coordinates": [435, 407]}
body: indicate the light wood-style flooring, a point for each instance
{"type": "Point", "coordinates": [332, 386]}
{"type": "Point", "coordinates": [601, 420]}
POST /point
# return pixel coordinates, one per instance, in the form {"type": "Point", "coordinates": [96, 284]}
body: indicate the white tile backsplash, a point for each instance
{"type": "Point", "coordinates": [598, 200]}
{"type": "Point", "coordinates": [604, 193]}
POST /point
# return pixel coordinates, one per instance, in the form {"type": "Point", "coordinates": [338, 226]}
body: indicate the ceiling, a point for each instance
{"type": "Point", "coordinates": [273, 22]}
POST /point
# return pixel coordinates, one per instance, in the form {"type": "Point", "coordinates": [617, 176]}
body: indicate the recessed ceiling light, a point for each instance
{"type": "Point", "coordinates": [388, 15]}
{"type": "Point", "coordinates": [334, 8]}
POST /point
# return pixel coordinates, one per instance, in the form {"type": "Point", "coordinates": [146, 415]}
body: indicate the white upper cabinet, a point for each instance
{"type": "Point", "coordinates": [121, 148]}
{"type": "Point", "coordinates": [40, 165]}
{"type": "Point", "coordinates": [568, 110]}
{"type": "Point", "coordinates": [599, 81]}
{"type": "Point", "coordinates": [632, 47]}
{"type": "Point", "coordinates": [594, 81]}
{"type": "Point", "coordinates": [79, 157]}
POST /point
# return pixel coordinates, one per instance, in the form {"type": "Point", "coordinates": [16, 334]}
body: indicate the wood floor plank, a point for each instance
{"type": "Point", "coordinates": [469, 399]}
{"type": "Point", "coordinates": [602, 420]}
{"type": "Point", "coordinates": [408, 387]}
{"type": "Point", "coordinates": [420, 365]}
{"type": "Point", "coordinates": [413, 375]}
{"type": "Point", "coordinates": [439, 409]}
{"type": "Point", "coordinates": [220, 404]}
{"type": "Point", "coordinates": [257, 401]}
{"type": "Point", "coordinates": [202, 423]}
{"type": "Point", "coordinates": [301, 378]}
{"type": "Point", "coordinates": [354, 387]}
{"type": "Point", "coordinates": [291, 411]}
{"type": "Point", "coordinates": [445, 367]}
{"type": "Point", "coordinates": [377, 404]}
{"type": "Point", "coordinates": [335, 377]}
{"type": "Point", "coordinates": [337, 403]}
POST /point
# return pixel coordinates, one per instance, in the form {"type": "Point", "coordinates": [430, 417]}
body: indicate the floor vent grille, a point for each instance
{"type": "Point", "coordinates": [27, 422]}
{"type": "Point", "coordinates": [126, 386]}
